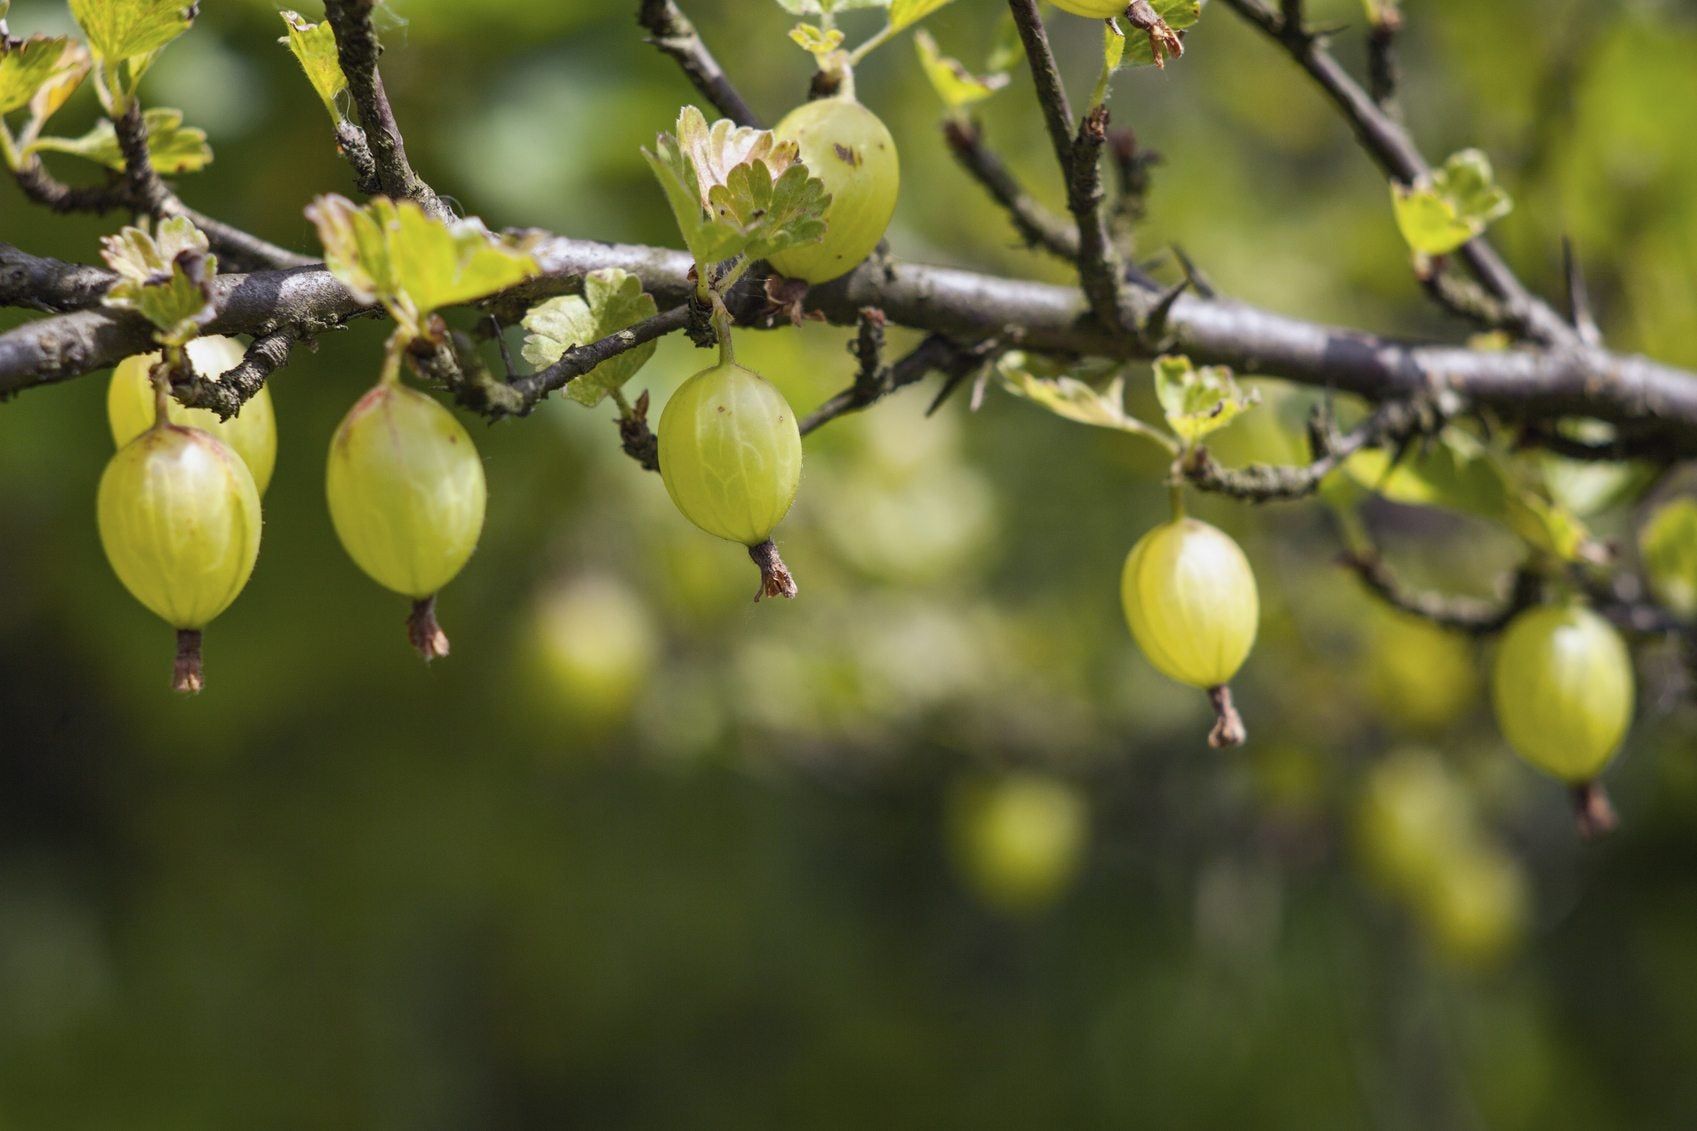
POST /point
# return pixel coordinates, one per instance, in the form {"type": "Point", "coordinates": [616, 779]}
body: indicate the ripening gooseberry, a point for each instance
{"type": "Point", "coordinates": [730, 454]}
{"type": "Point", "coordinates": [847, 147]}
{"type": "Point", "coordinates": [1563, 691]}
{"type": "Point", "coordinates": [1191, 602]}
{"type": "Point", "coordinates": [251, 433]}
{"type": "Point", "coordinates": [179, 520]}
{"type": "Point", "coordinates": [407, 494]}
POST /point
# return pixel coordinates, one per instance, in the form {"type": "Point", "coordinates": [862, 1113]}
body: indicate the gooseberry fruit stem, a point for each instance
{"type": "Point", "coordinates": [425, 634]}
{"type": "Point", "coordinates": [722, 329]}
{"type": "Point", "coordinates": [775, 579]}
{"type": "Point", "coordinates": [186, 674]}
{"type": "Point", "coordinates": [1228, 724]}
{"type": "Point", "coordinates": [1593, 813]}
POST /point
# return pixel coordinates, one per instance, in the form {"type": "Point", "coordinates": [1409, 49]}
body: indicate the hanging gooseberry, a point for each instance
{"type": "Point", "coordinates": [1563, 690]}
{"type": "Point", "coordinates": [730, 453]}
{"type": "Point", "coordinates": [251, 433]}
{"type": "Point", "coordinates": [850, 150]}
{"type": "Point", "coordinates": [407, 494]}
{"type": "Point", "coordinates": [179, 520]}
{"type": "Point", "coordinates": [1191, 602]}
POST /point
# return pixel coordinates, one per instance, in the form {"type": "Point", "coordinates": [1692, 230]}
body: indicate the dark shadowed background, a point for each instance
{"type": "Point", "coordinates": [931, 846]}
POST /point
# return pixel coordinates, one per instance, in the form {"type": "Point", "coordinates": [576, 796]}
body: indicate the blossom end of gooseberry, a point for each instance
{"type": "Point", "coordinates": [1593, 812]}
{"type": "Point", "coordinates": [775, 579]}
{"type": "Point", "coordinates": [424, 633]}
{"type": "Point", "coordinates": [187, 675]}
{"type": "Point", "coordinates": [1228, 724]}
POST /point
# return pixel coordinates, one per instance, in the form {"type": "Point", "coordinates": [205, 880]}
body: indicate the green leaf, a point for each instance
{"type": "Point", "coordinates": [1459, 473]}
{"type": "Point", "coordinates": [120, 30]}
{"type": "Point", "coordinates": [74, 66]}
{"type": "Point", "coordinates": [816, 41]}
{"type": "Point", "coordinates": [314, 47]}
{"type": "Point", "coordinates": [906, 13]}
{"type": "Point", "coordinates": [1045, 382]}
{"type": "Point", "coordinates": [827, 7]}
{"type": "Point", "coordinates": [954, 84]}
{"type": "Point", "coordinates": [719, 180]}
{"type": "Point", "coordinates": [1668, 543]}
{"type": "Point", "coordinates": [1450, 206]}
{"type": "Point", "coordinates": [1198, 401]}
{"type": "Point", "coordinates": [26, 66]}
{"type": "Point", "coordinates": [175, 148]}
{"type": "Point", "coordinates": [165, 276]}
{"type": "Point", "coordinates": [392, 252]}
{"type": "Point", "coordinates": [612, 300]}
{"type": "Point", "coordinates": [1113, 52]}
{"type": "Point", "coordinates": [1140, 50]}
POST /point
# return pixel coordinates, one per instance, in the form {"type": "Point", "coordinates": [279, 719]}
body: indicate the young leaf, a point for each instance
{"type": "Point", "coordinates": [612, 300]}
{"type": "Point", "coordinates": [720, 183]}
{"type": "Point", "coordinates": [314, 47]}
{"type": "Point", "coordinates": [1198, 401]}
{"type": "Point", "coordinates": [26, 66]}
{"type": "Point", "coordinates": [1452, 205]}
{"type": "Point", "coordinates": [1113, 53]}
{"type": "Point", "coordinates": [816, 41]}
{"type": "Point", "coordinates": [74, 66]}
{"type": "Point", "coordinates": [392, 252]}
{"type": "Point", "coordinates": [1154, 45]}
{"type": "Point", "coordinates": [906, 13]}
{"type": "Point", "coordinates": [174, 148]}
{"type": "Point", "coordinates": [1668, 543]}
{"type": "Point", "coordinates": [1044, 382]}
{"type": "Point", "coordinates": [954, 84]}
{"type": "Point", "coordinates": [119, 30]}
{"type": "Point", "coordinates": [165, 276]}
{"type": "Point", "coordinates": [827, 7]}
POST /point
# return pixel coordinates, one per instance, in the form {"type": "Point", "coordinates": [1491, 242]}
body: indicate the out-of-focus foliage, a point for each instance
{"type": "Point", "coordinates": [641, 854]}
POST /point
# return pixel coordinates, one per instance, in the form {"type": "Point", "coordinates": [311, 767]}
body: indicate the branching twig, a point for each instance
{"type": "Point", "coordinates": [225, 393]}
{"type": "Point", "coordinates": [1459, 614]}
{"type": "Point", "coordinates": [1036, 225]}
{"type": "Point", "coordinates": [670, 30]}
{"type": "Point", "coordinates": [357, 50]}
{"type": "Point", "coordinates": [579, 360]}
{"type": "Point", "coordinates": [937, 352]}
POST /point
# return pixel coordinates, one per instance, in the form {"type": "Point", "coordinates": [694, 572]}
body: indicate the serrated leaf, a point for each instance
{"type": "Point", "coordinates": [612, 300]}
{"type": "Point", "coordinates": [816, 41]}
{"type": "Point", "coordinates": [74, 66]}
{"type": "Point", "coordinates": [1179, 15]}
{"type": "Point", "coordinates": [1452, 205]}
{"type": "Point", "coordinates": [719, 180]}
{"type": "Point", "coordinates": [174, 147]}
{"type": "Point", "coordinates": [954, 84]}
{"type": "Point", "coordinates": [26, 66]}
{"type": "Point", "coordinates": [119, 30]}
{"type": "Point", "coordinates": [394, 253]}
{"type": "Point", "coordinates": [1198, 401]}
{"type": "Point", "coordinates": [906, 13]}
{"type": "Point", "coordinates": [1046, 383]}
{"type": "Point", "coordinates": [1668, 544]}
{"type": "Point", "coordinates": [165, 276]}
{"type": "Point", "coordinates": [1459, 473]}
{"type": "Point", "coordinates": [314, 48]}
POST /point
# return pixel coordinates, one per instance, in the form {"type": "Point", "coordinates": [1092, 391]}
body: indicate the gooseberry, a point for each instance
{"type": "Point", "coordinates": [179, 519]}
{"type": "Point", "coordinates": [850, 150]}
{"type": "Point", "coordinates": [1190, 599]}
{"type": "Point", "coordinates": [407, 494]}
{"type": "Point", "coordinates": [1563, 691]}
{"type": "Point", "coordinates": [730, 454]}
{"type": "Point", "coordinates": [251, 433]}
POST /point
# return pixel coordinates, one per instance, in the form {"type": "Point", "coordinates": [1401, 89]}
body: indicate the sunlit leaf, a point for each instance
{"type": "Point", "coordinates": [394, 253]}
{"type": "Point", "coordinates": [1198, 401]}
{"type": "Point", "coordinates": [906, 13]}
{"type": "Point", "coordinates": [26, 66]}
{"type": "Point", "coordinates": [173, 147]}
{"type": "Point", "coordinates": [816, 41]}
{"type": "Point", "coordinates": [1047, 383]}
{"type": "Point", "coordinates": [118, 30]}
{"type": "Point", "coordinates": [954, 84]}
{"type": "Point", "coordinates": [612, 300]}
{"type": "Point", "coordinates": [1451, 206]}
{"type": "Point", "coordinates": [314, 47]}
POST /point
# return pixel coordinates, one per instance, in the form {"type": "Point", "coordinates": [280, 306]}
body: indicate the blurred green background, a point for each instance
{"type": "Point", "coordinates": [931, 846]}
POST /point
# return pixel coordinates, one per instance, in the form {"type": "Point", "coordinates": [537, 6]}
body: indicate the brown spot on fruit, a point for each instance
{"type": "Point", "coordinates": [848, 156]}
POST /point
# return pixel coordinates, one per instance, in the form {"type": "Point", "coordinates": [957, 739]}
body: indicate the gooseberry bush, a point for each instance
{"type": "Point", "coordinates": [1531, 424]}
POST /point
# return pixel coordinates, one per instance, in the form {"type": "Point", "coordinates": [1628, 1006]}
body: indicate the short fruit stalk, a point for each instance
{"type": "Point", "coordinates": [407, 496]}
{"type": "Point", "coordinates": [1192, 606]}
{"type": "Point", "coordinates": [179, 519]}
{"type": "Point", "coordinates": [1564, 691]}
{"type": "Point", "coordinates": [847, 147]}
{"type": "Point", "coordinates": [730, 455]}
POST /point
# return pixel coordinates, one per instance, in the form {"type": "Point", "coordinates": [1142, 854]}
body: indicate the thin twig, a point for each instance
{"type": "Point", "coordinates": [671, 31]}
{"type": "Point", "coordinates": [1036, 225]}
{"type": "Point", "coordinates": [1466, 615]}
{"type": "Point", "coordinates": [577, 361]}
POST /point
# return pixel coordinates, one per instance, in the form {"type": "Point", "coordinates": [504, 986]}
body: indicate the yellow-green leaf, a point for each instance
{"type": "Point", "coordinates": [906, 13]}
{"type": "Point", "coordinates": [165, 276]}
{"type": "Point", "coordinates": [174, 147]}
{"type": "Point", "coordinates": [954, 84]}
{"type": "Point", "coordinates": [612, 300]}
{"type": "Point", "coordinates": [1669, 546]}
{"type": "Point", "coordinates": [26, 66]}
{"type": "Point", "coordinates": [1198, 401]}
{"type": "Point", "coordinates": [1451, 205]}
{"type": "Point", "coordinates": [1046, 383]}
{"type": "Point", "coordinates": [118, 30]}
{"type": "Point", "coordinates": [314, 47]}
